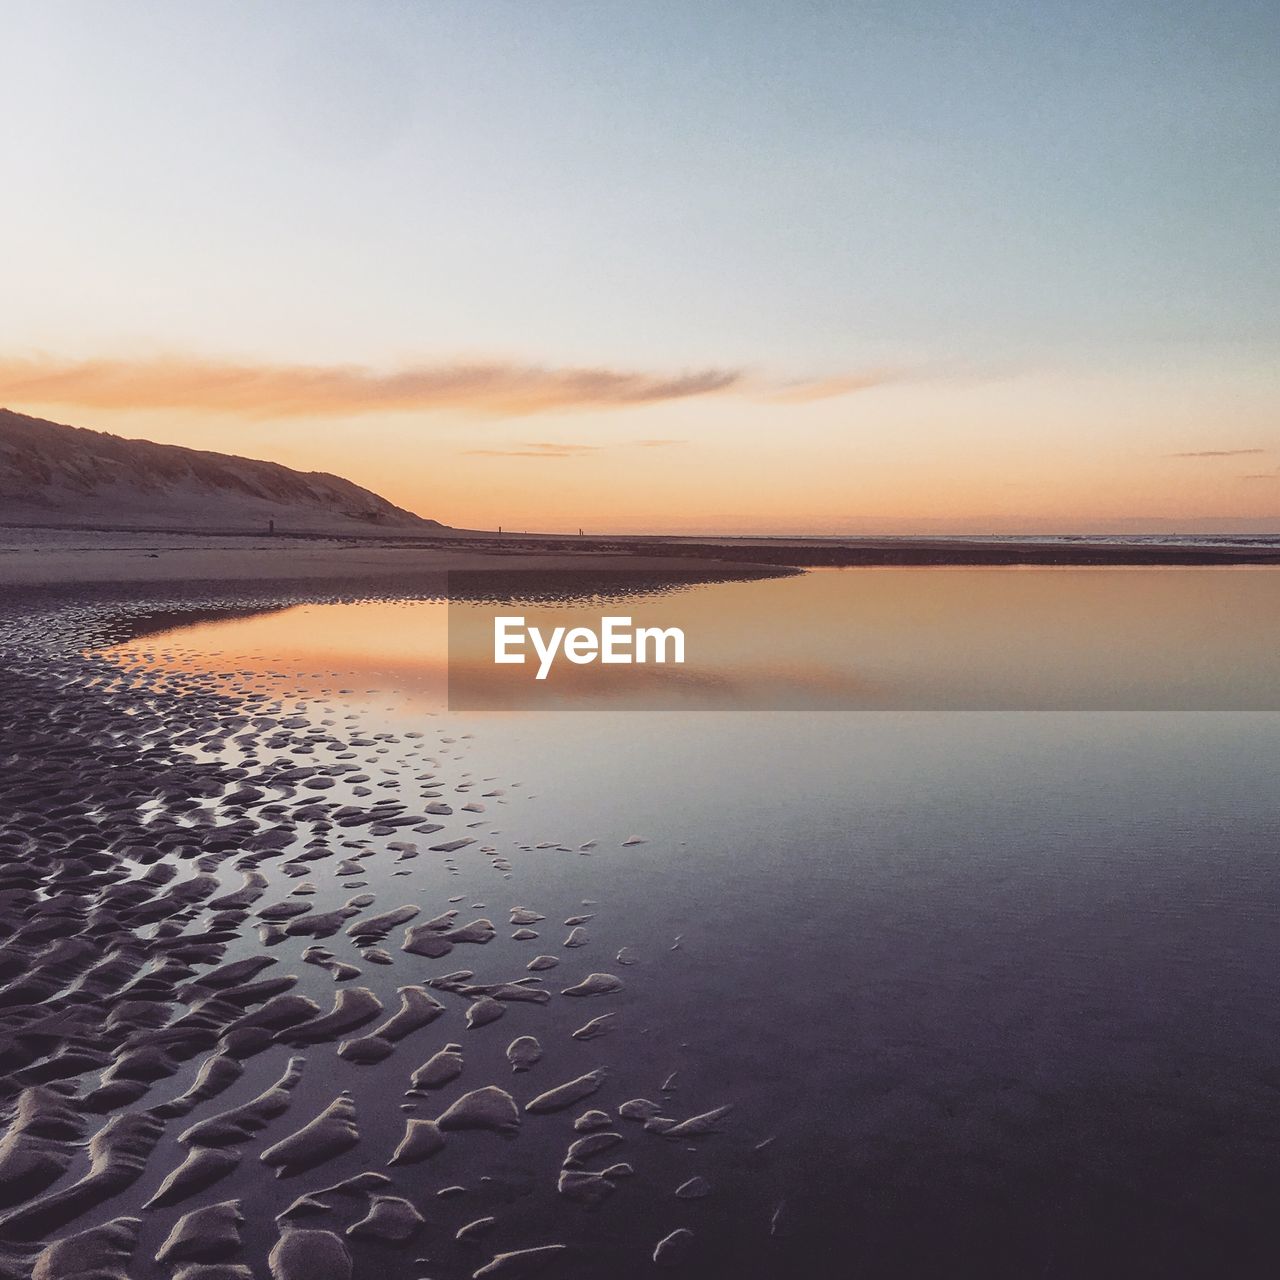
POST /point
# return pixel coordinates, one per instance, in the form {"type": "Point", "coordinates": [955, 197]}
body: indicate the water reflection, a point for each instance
{"type": "Point", "coordinates": [1006, 976]}
{"type": "Point", "coordinates": [862, 639]}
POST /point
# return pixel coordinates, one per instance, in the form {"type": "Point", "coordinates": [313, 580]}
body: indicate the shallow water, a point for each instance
{"type": "Point", "coordinates": [931, 950]}
{"type": "Point", "coordinates": [1001, 984]}
{"type": "Point", "coordinates": [853, 639]}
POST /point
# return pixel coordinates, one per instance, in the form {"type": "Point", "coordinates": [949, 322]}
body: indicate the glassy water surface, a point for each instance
{"type": "Point", "coordinates": [1006, 974]}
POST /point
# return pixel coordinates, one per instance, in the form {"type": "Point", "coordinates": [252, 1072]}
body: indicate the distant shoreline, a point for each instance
{"type": "Point", "coordinates": [48, 555]}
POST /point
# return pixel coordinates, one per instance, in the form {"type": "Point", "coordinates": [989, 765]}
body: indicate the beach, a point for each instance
{"type": "Point", "coordinates": [35, 555]}
{"type": "Point", "coordinates": [639, 640]}
{"type": "Point", "coordinates": [330, 982]}
{"type": "Point", "coordinates": [200, 985]}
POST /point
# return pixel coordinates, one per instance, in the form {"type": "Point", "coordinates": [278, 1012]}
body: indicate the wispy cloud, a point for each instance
{"type": "Point", "coordinates": [1219, 453]}
{"type": "Point", "coordinates": [550, 449]}
{"type": "Point", "coordinates": [808, 390]}
{"type": "Point", "coordinates": [536, 449]}
{"type": "Point", "coordinates": [485, 388]}
{"type": "Point", "coordinates": [283, 391]}
{"type": "Point", "coordinates": [1262, 475]}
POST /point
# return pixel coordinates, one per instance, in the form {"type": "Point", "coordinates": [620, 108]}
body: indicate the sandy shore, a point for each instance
{"type": "Point", "coordinates": [231, 959]}
{"type": "Point", "coordinates": [286, 994]}
{"type": "Point", "coordinates": [42, 557]}
{"type": "Point", "coordinates": [31, 556]}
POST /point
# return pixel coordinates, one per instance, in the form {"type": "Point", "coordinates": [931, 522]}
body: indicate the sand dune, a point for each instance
{"type": "Point", "coordinates": [52, 474]}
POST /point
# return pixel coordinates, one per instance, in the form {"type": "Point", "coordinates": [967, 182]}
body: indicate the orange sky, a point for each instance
{"type": "Point", "coordinates": [605, 450]}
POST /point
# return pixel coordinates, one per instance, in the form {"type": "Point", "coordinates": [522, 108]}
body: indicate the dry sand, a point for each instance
{"type": "Point", "coordinates": [68, 557]}
{"type": "Point", "coordinates": [30, 556]}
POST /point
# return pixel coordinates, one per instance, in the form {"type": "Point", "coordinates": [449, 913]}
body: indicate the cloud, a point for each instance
{"type": "Point", "coordinates": [549, 449]}
{"type": "Point", "coordinates": [1218, 453]}
{"type": "Point", "coordinates": [285, 391]}
{"type": "Point", "coordinates": [1263, 475]}
{"type": "Point", "coordinates": [492, 388]}
{"type": "Point", "coordinates": [537, 449]}
{"type": "Point", "coordinates": [808, 390]}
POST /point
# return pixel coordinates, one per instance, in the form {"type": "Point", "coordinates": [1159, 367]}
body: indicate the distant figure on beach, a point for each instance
{"type": "Point", "coordinates": [271, 526]}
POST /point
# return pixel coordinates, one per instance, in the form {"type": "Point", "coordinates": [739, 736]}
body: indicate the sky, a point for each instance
{"type": "Point", "coordinates": [955, 266]}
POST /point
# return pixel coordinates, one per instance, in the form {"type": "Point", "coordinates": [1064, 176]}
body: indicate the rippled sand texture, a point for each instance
{"type": "Point", "coordinates": [269, 1005]}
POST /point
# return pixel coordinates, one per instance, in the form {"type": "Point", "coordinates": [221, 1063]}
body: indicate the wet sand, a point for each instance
{"type": "Point", "coordinates": [284, 994]}
{"type": "Point", "coordinates": [247, 1032]}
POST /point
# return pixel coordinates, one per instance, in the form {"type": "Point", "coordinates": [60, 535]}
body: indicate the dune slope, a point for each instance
{"type": "Point", "coordinates": [52, 474]}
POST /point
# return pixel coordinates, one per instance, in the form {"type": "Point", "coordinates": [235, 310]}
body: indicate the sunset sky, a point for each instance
{"type": "Point", "coordinates": [707, 265]}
